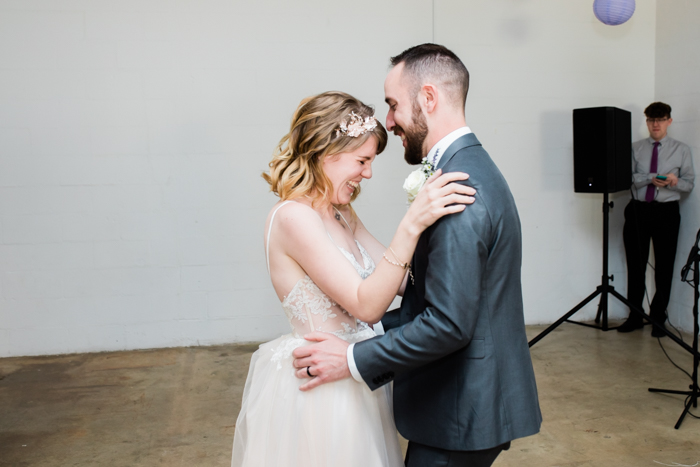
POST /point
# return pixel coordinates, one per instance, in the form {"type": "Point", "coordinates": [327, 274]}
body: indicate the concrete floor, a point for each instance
{"type": "Point", "coordinates": [177, 407]}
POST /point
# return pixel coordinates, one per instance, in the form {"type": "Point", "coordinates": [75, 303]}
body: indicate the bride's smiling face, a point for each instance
{"type": "Point", "coordinates": [347, 169]}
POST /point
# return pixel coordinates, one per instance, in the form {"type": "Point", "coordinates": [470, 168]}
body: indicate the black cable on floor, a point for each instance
{"type": "Point", "coordinates": [671, 360]}
{"type": "Point", "coordinates": [689, 412]}
{"type": "Point", "coordinates": [680, 336]}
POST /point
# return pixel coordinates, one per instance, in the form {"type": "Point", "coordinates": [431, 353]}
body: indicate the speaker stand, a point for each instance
{"type": "Point", "coordinates": [694, 393]}
{"type": "Point", "coordinates": [603, 290]}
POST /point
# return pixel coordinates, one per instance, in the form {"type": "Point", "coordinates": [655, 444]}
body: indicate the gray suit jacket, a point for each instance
{"type": "Point", "coordinates": [457, 351]}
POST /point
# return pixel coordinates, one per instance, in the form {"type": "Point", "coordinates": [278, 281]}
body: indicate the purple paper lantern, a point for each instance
{"type": "Point", "coordinates": [613, 12]}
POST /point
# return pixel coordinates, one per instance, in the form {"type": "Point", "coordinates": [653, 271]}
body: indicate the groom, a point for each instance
{"type": "Point", "coordinates": [464, 386]}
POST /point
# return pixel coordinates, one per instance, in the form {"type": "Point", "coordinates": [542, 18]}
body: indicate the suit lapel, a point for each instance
{"type": "Point", "coordinates": [462, 142]}
{"type": "Point", "coordinates": [413, 299]}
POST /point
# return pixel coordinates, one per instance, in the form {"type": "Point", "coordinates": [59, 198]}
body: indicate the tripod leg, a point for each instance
{"type": "Point", "coordinates": [604, 307]}
{"type": "Point", "coordinates": [571, 312]}
{"type": "Point", "coordinates": [603, 311]}
{"type": "Point", "coordinates": [669, 391]}
{"type": "Point", "coordinates": [693, 397]}
{"type": "Point", "coordinates": [680, 419]}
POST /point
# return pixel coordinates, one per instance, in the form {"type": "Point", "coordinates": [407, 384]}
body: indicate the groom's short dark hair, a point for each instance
{"type": "Point", "coordinates": [436, 63]}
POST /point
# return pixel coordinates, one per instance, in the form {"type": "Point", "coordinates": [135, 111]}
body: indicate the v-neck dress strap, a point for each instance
{"type": "Point", "coordinates": [367, 266]}
{"type": "Point", "coordinates": [269, 231]}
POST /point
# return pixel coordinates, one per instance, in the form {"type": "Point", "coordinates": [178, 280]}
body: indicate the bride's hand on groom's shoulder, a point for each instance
{"type": "Point", "coordinates": [325, 360]}
{"type": "Point", "coordinates": [439, 197]}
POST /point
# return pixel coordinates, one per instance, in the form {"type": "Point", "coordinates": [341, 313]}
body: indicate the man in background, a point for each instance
{"type": "Point", "coordinates": [662, 169]}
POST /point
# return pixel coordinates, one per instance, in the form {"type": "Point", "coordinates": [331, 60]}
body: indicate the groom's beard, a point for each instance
{"type": "Point", "coordinates": [415, 137]}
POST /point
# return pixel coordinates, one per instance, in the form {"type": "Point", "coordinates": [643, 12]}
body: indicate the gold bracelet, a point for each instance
{"type": "Point", "coordinates": [406, 265]}
{"type": "Point", "coordinates": [403, 266]}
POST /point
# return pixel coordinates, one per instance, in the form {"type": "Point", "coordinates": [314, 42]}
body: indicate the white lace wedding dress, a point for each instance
{"type": "Point", "coordinates": [340, 424]}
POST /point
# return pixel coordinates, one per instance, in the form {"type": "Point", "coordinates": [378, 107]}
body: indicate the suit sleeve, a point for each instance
{"type": "Point", "coordinates": [391, 319]}
{"type": "Point", "coordinates": [458, 253]}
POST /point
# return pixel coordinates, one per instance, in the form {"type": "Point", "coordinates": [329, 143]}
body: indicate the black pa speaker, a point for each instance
{"type": "Point", "coordinates": [602, 150]}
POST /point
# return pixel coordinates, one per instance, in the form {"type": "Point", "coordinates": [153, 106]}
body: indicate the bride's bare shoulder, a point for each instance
{"type": "Point", "coordinates": [294, 217]}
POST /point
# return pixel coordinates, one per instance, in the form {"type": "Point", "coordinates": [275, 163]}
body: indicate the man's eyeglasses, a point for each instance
{"type": "Point", "coordinates": [657, 120]}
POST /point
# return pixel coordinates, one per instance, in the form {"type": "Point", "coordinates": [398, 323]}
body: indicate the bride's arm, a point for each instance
{"type": "Point", "coordinates": [304, 238]}
{"type": "Point", "coordinates": [375, 248]}
{"type": "Point", "coordinates": [306, 241]}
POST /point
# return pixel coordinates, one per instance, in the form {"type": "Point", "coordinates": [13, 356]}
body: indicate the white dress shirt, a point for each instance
{"type": "Point", "coordinates": [433, 156]}
{"type": "Point", "coordinates": [436, 152]}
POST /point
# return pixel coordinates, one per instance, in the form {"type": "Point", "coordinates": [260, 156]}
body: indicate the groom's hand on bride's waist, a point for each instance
{"type": "Point", "coordinates": [326, 360]}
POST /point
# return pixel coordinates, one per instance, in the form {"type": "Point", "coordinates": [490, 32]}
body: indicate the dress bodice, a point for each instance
{"type": "Point", "coordinates": [309, 309]}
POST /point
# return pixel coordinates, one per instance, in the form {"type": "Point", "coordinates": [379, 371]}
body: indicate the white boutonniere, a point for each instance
{"type": "Point", "coordinates": [416, 179]}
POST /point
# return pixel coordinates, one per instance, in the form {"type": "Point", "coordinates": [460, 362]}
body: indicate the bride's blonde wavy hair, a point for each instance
{"type": "Point", "coordinates": [296, 168]}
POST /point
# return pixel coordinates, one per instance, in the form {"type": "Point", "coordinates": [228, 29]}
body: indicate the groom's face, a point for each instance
{"type": "Point", "coordinates": [405, 117]}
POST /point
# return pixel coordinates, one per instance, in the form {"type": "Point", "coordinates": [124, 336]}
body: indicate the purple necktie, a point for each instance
{"type": "Point", "coordinates": [651, 189]}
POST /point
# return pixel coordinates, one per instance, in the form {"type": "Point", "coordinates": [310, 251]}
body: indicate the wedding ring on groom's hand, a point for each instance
{"type": "Point", "coordinates": [308, 372]}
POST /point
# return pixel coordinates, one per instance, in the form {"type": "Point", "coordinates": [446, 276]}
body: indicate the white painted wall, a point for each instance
{"type": "Point", "coordinates": [677, 78]}
{"type": "Point", "coordinates": [531, 64]}
{"type": "Point", "coordinates": [132, 136]}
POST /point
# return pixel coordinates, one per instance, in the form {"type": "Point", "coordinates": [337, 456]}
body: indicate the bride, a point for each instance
{"type": "Point", "coordinates": [333, 276]}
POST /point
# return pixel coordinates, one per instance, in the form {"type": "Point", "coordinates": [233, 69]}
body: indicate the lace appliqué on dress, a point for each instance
{"type": "Point", "coordinates": [283, 352]}
{"type": "Point", "coordinates": [351, 334]}
{"type": "Point", "coordinates": [367, 267]}
{"type": "Point", "coordinates": [307, 307]}
{"type": "Point", "coordinates": [306, 296]}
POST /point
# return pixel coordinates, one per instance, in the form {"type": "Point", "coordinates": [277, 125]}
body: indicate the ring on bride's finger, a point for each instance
{"type": "Point", "coordinates": [308, 372]}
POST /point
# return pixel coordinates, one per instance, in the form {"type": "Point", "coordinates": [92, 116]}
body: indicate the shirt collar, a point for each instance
{"type": "Point", "coordinates": [445, 143]}
{"type": "Point", "coordinates": [662, 140]}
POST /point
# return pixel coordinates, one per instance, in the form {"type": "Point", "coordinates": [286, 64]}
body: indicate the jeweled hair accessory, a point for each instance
{"type": "Point", "coordinates": [356, 126]}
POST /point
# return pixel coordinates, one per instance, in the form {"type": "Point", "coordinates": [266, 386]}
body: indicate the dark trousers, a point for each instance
{"type": "Point", "coordinates": [658, 223]}
{"type": "Point", "coordinates": [420, 455]}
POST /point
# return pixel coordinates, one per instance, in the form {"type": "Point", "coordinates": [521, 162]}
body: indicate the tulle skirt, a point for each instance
{"type": "Point", "coordinates": [334, 425]}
